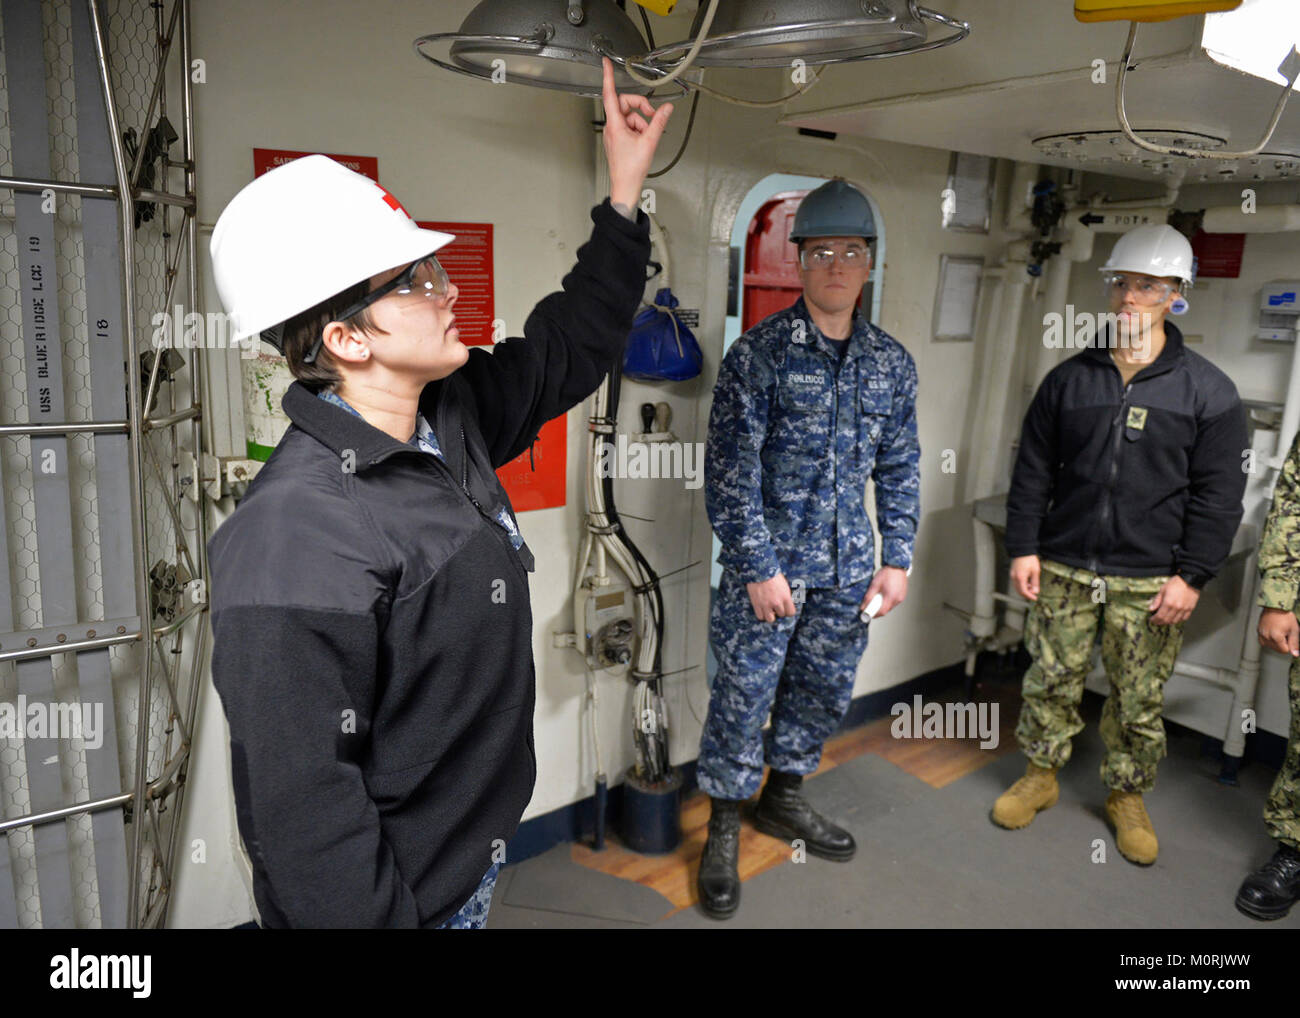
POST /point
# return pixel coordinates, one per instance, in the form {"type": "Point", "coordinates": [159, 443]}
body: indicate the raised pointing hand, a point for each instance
{"type": "Point", "coordinates": [630, 139]}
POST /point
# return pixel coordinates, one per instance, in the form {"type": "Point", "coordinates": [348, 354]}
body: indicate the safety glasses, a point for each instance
{"type": "Point", "coordinates": [423, 278]}
{"type": "Point", "coordinates": [854, 256]}
{"type": "Point", "coordinates": [1145, 291]}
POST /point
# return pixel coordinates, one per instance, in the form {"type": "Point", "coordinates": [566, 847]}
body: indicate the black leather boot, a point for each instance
{"type": "Point", "coordinates": [784, 813]}
{"type": "Point", "coordinates": [719, 879]}
{"type": "Point", "coordinates": [1271, 890]}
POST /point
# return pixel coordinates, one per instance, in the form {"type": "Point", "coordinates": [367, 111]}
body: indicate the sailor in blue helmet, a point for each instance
{"type": "Point", "coordinates": [809, 404]}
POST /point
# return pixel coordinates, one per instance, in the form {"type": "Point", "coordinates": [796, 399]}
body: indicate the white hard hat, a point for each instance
{"type": "Point", "coordinates": [302, 233]}
{"type": "Point", "coordinates": [1153, 250]}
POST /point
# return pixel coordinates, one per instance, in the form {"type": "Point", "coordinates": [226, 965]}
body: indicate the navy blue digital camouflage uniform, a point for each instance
{"type": "Point", "coordinates": [794, 434]}
{"type": "Point", "coordinates": [473, 914]}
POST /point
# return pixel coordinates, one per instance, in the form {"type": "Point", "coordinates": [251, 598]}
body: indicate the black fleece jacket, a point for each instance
{"type": "Point", "coordinates": [1137, 480]}
{"type": "Point", "coordinates": [373, 634]}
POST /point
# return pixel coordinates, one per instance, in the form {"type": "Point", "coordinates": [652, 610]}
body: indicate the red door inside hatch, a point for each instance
{"type": "Point", "coordinates": [771, 261]}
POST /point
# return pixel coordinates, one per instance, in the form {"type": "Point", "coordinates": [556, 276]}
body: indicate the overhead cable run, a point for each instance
{"type": "Point", "coordinates": [1289, 69]}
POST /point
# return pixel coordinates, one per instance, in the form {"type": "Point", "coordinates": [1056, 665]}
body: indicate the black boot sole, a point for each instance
{"type": "Point", "coordinates": [716, 913]}
{"type": "Point", "coordinates": [1264, 914]}
{"type": "Point", "coordinates": [788, 834]}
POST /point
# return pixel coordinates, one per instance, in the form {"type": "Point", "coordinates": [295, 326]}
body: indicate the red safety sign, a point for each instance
{"type": "Point", "coordinates": [1218, 255]}
{"type": "Point", "coordinates": [542, 488]}
{"type": "Point", "coordinates": [468, 261]}
{"type": "Point", "coordinates": [269, 158]}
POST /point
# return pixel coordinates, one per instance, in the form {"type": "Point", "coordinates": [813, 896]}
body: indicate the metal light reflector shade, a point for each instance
{"type": "Point", "coordinates": [538, 45]}
{"type": "Point", "coordinates": [772, 33]}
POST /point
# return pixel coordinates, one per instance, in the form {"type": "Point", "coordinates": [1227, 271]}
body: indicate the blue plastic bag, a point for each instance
{"type": "Point", "coordinates": [659, 347]}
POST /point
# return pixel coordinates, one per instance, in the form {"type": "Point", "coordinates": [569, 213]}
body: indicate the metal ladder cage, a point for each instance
{"type": "Point", "coordinates": [103, 600]}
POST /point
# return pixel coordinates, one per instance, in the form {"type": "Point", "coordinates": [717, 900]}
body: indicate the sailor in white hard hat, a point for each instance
{"type": "Point", "coordinates": [1144, 280]}
{"type": "Point", "coordinates": [1124, 502]}
{"type": "Point", "coordinates": [370, 606]}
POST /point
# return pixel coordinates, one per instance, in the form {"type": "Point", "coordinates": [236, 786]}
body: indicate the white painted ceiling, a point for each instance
{"type": "Point", "coordinates": [1025, 73]}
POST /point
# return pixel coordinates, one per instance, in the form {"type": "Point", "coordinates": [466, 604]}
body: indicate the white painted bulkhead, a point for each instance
{"type": "Point", "coordinates": [338, 76]}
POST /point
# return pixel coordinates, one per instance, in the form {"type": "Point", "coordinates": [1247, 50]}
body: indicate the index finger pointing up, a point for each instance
{"type": "Point", "coordinates": [608, 93]}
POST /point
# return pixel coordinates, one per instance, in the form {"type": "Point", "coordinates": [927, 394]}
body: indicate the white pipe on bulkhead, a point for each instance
{"type": "Point", "coordinates": [1265, 219]}
{"type": "Point", "coordinates": [1020, 200]}
{"type": "Point", "coordinates": [1107, 220]}
{"type": "Point", "coordinates": [1054, 298]}
{"type": "Point", "coordinates": [1017, 285]}
{"type": "Point", "coordinates": [992, 373]}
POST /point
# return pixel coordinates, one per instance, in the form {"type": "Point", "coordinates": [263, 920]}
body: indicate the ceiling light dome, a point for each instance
{"type": "Point", "coordinates": [551, 43]}
{"type": "Point", "coordinates": [773, 33]}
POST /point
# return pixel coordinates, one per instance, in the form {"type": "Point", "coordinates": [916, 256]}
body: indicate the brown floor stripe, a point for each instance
{"type": "Point", "coordinates": [937, 762]}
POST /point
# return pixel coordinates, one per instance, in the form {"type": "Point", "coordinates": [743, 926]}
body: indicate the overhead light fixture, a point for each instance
{"type": "Point", "coordinates": [549, 43]}
{"type": "Point", "coordinates": [776, 32]}
{"type": "Point", "coordinates": [1111, 152]}
{"type": "Point", "coordinates": [559, 44]}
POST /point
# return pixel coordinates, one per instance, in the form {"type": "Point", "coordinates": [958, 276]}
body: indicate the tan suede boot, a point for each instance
{"type": "Point", "coordinates": [1021, 802]}
{"type": "Point", "coordinates": [1134, 834]}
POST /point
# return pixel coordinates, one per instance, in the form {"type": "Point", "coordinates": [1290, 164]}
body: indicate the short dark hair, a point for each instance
{"type": "Point", "coordinates": [303, 329]}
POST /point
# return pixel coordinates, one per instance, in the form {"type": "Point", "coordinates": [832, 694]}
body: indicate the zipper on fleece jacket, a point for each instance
{"type": "Point", "coordinates": [493, 522]}
{"type": "Point", "coordinates": [440, 416]}
{"type": "Point", "coordinates": [1117, 427]}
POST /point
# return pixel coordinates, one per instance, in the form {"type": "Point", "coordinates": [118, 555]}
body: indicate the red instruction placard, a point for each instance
{"type": "Point", "coordinates": [269, 158]}
{"type": "Point", "coordinates": [1218, 255]}
{"type": "Point", "coordinates": [542, 488]}
{"type": "Point", "coordinates": [468, 261]}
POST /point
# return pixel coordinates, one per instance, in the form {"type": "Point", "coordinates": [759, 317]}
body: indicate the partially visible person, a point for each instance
{"type": "Point", "coordinates": [1271, 890]}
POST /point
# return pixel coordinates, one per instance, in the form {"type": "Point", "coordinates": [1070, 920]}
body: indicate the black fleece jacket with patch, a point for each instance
{"type": "Point", "coordinates": [373, 634]}
{"type": "Point", "coordinates": [1144, 479]}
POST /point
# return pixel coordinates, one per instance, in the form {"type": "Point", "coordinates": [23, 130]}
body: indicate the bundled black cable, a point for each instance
{"type": "Point", "coordinates": [650, 739]}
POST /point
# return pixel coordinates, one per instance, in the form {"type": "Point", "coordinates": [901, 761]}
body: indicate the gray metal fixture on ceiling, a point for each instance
{"type": "Point", "coordinates": [559, 44]}
{"type": "Point", "coordinates": [777, 32]}
{"type": "Point", "coordinates": [549, 43]}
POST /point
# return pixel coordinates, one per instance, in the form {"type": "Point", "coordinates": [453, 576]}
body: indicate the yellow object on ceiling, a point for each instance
{"type": "Point", "coordinates": [658, 6]}
{"type": "Point", "coordinates": [1147, 10]}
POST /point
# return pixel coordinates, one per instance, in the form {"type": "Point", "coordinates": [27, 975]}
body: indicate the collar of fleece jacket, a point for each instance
{"type": "Point", "coordinates": [1169, 357]}
{"type": "Point", "coordinates": [341, 432]}
{"type": "Point", "coordinates": [425, 440]}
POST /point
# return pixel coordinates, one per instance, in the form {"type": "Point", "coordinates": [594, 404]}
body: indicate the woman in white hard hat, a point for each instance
{"type": "Point", "coordinates": [1124, 502]}
{"type": "Point", "coordinates": [373, 637]}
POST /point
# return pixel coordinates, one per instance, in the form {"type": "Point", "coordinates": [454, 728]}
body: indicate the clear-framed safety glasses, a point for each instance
{"type": "Point", "coordinates": [1145, 291]}
{"type": "Point", "coordinates": [423, 278]}
{"type": "Point", "coordinates": [854, 256]}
